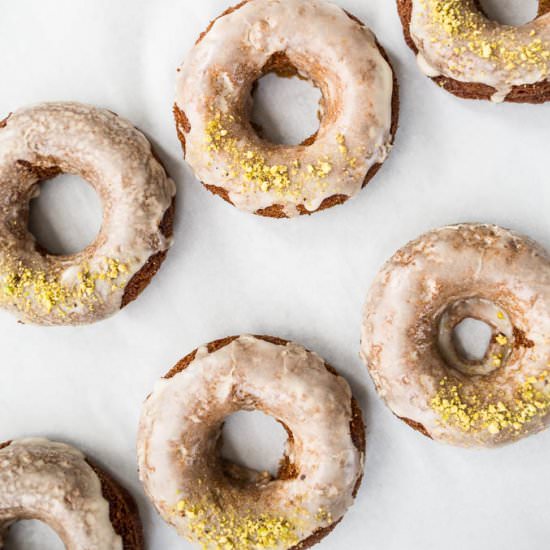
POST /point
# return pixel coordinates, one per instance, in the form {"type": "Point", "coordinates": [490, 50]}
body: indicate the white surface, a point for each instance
{"type": "Point", "coordinates": [303, 279]}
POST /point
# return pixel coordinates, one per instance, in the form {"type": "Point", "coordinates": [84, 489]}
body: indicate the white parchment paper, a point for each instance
{"type": "Point", "coordinates": [303, 279]}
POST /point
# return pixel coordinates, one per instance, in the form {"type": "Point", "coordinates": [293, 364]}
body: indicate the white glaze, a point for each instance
{"type": "Point", "coordinates": [181, 421]}
{"type": "Point", "coordinates": [340, 55]}
{"type": "Point", "coordinates": [415, 287]}
{"type": "Point", "coordinates": [135, 191]}
{"type": "Point", "coordinates": [442, 53]}
{"type": "Point", "coordinates": [52, 482]}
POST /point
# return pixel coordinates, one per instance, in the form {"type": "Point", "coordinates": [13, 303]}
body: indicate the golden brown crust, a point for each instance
{"type": "Point", "coordinates": [544, 7]}
{"type": "Point", "coordinates": [287, 469]}
{"type": "Point", "coordinates": [226, 12]}
{"type": "Point", "coordinates": [123, 511]}
{"type": "Point", "coordinates": [281, 65]}
{"type": "Point", "coordinates": [182, 126]}
{"type": "Point", "coordinates": [416, 426]}
{"type": "Point", "coordinates": [41, 172]}
{"type": "Point", "coordinates": [529, 93]}
{"type": "Point", "coordinates": [4, 121]}
{"type": "Point", "coordinates": [143, 277]}
{"type": "Point", "coordinates": [137, 284]}
{"type": "Point", "coordinates": [521, 340]}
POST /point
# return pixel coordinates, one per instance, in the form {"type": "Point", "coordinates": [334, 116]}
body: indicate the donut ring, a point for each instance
{"type": "Point", "coordinates": [43, 141]}
{"type": "Point", "coordinates": [223, 505]}
{"type": "Point", "coordinates": [314, 40]}
{"type": "Point", "coordinates": [55, 483]}
{"type": "Point", "coordinates": [474, 57]}
{"type": "Point", "coordinates": [425, 290]}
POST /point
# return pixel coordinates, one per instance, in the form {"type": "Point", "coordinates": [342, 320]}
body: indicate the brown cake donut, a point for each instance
{"type": "Point", "coordinates": [314, 40]}
{"type": "Point", "coordinates": [473, 57]}
{"type": "Point", "coordinates": [43, 141]}
{"type": "Point", "coordinates": [427, 289]}
{"type": "Point", "coordinates": [54, 483]}
{"type": "Point", "coordinates": [218, 503]}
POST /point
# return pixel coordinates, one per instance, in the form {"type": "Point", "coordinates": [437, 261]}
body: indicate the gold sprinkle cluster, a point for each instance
{"type": "Point", "coordinates": [255, 170]}
{"type": "Point", "coordinates": [472, 414]}
{"type": "Point", "coordinates": [502, 45]}
{"type": "Point", "coordinates": [29, 289]}
{"type": "Point", "coordinates": [215, 529]}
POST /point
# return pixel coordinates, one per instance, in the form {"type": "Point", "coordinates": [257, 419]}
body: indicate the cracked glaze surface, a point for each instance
{"type": "Point", "coordinates": [178, 446]}
{"type": "Point", "coordinates": [42, 141]}
{"type": "Point", "coordinates": [325, 45]}
{"type": "Point", "coordinates": [479, 269]}
{"type": "Point", "coordinates": [53, 483]}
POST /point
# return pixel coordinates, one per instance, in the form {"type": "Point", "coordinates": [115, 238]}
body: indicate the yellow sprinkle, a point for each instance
{"type": "Point", "coordinates": [30, 289]}
{"type": "Point", "coordinates": [502, 45]}
{"type": "Point", "coordinates": [227, 529]}
{"type": "Point", "coordinates": [471, 413]}
{"type": "Point", "coordinates": [501, 339]}
{"type": "Point", "coordinates": [253, 166]}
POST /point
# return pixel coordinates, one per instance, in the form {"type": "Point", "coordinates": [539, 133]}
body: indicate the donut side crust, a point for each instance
{"type": "Point", "coordinates": [137, 284]}
{"type": "Point", "coordinates": [280, 66]}
{"type": "Point", "coordinates": [123, 511]}
{"type": "Point", "coordinates": [286, 471]}
{"type": "Point", "coordinates": [529, 93]}
{"type": "Point", "coordinates": [417, 426]}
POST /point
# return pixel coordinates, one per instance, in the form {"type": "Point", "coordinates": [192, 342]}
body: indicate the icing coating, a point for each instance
{"type": "Point", "coordinates": [325, 45]}
{"type": "Point", "coordinates": [179, 435]}
{"type": "Point", "coordinates": [455, 39]}
{"type": "Point", "coordinates": [53, 483]}
{"type": "Point", "coordinates": [424, 291]}
{"type": "Point", "coordinates": [116, 159]}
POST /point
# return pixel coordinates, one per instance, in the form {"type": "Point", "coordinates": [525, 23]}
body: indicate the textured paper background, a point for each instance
{"type": "Point", "coordinates": [302, 279]}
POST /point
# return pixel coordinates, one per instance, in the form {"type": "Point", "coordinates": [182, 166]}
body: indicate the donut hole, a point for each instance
{"type": "Point", "coordinates": [255, 441]}
{"type": "Point", "coordinates": [66, 216]}
{"type": "Point", "coordinates": [510, 12]}
{"type": "Point", "coordinates": [30, 534]}
{"type": "Point", "coordinates": [472, 338]}
{"type": "Point", "coordinates": [286, 108]}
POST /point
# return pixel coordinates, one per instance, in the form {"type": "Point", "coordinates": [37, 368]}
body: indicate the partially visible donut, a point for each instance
{"type": "Point", "coordinates": [43, 141]}
{"type": "Point", "coordinates": [425, 290]}
{"type": "Point", "coordinates": [318, 41]}
{"type": "Point", "coordinates": [224, 505]}
{"type": "Point", "coordinates": [474, 57]}
{"type": "Point", "coordinates": [54, 483]}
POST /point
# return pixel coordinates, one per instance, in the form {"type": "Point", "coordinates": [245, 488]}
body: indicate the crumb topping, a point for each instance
{"type": "Point", "coordinates": [228, 529]}
{"type": "Point", "coordinates": [472, 413]}
{"type": "Point", "coordinates": [503, 45]}
{"type": "Point", "coordinates": [258, 174]}
{"type": "Point", "coordinates": [26, 288]}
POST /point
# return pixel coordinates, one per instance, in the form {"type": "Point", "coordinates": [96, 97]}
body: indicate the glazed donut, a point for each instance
{"type": "Point", "coordinates": [474, 57]}
{"type": "Point", "coordinates": [425, 290]}
{"type": "Point", "coordinates": [317, 41]}
{"type": "Point", "coordinates": [55, 483]}
{"type": "Point", "coordinates": [225, 506]}
{"type": "Point", "coordinates": [43, 141]}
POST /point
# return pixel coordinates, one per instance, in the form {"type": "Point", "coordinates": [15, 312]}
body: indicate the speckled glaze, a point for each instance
{"type": "Point", "coordinates": [116, 159]}
{"type": "Point", "coordinates": [456, 40]}
{"type": "Point", "coordinates": [53, 483]}
{"type": "Point", "coordinates": [179, 435]}
{"type": "Point", "coordinates": [429, 286]}
{"type": "Point", "coordinates": [325, 45]}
